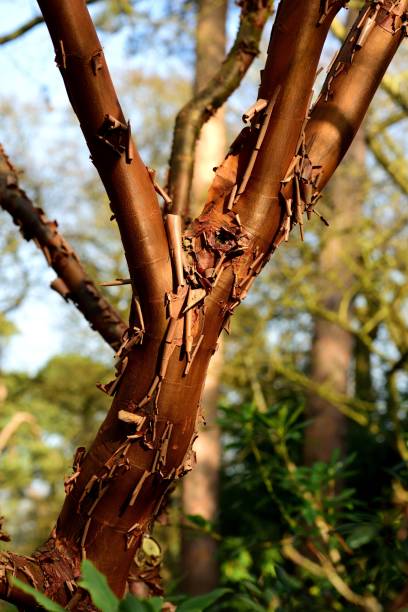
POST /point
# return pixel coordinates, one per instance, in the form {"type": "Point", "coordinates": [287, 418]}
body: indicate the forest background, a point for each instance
{"type": "Point", "coordinates": [308, 506]}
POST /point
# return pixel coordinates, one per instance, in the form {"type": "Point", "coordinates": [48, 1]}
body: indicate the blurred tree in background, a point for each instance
{"type": "Point", "coordinates": [313, 501]}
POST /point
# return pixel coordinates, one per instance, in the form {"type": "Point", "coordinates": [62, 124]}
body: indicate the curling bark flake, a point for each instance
{"type": "Point", "coordinates": [124, 476]}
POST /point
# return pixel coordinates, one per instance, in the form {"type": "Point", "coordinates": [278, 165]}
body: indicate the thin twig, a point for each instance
{"type": "Point", "coordinates": [27, 27]}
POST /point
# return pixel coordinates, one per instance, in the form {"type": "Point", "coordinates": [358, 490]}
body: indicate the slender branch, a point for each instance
{"type": "Point", "coordinates": [72, 283]}
{"type": "Point", "coordinates": [350, 407]}
{"type": "Point", "coordinates": [18, 419]}
{"type": "Point", "coordinates": [27, 27]}
{"type": "Point", "coordinates": [327, 570]}
{"type": "Point", "coordinates": [394, 170]}
{"type": "Point", "coordinates": [129, 185]}
{"type": "Point", "coordinates": [202, 106]}
{"type": "Point", "coordinates": [380, 126]}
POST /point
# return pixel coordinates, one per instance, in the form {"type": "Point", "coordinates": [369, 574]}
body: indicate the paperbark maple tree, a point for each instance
{"type": "Point", "coordinates": [187, 284]}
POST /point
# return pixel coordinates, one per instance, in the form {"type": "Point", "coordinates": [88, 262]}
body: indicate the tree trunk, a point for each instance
{"type": "Point", "coordinates": [145, 441]}
{"type": "Point", "coordinates": [200, 487]}
{"type": "Point", "coordinates": [332, 346]}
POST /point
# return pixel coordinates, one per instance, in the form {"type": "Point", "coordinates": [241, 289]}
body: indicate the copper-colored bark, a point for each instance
{"type": "Point", "coordinates": [210, 98]}
{"type": "Point", "coordinates": [120, 482]}
{"type": "Point", "coordinates": [80, 58]}
{"type": "Point", "coordinates": [134, 471]}
{"type": "Point", "coordinates": [199, 560]}
{"type": "Point", "coordinates": [72, 281]}
{"type": "Point", "coordinates": [351, 84]}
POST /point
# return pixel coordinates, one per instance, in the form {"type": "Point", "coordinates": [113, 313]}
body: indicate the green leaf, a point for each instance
{"type": "Point", "coordinates": [96, 584]}
{"type": "Point", "coordinates": [132, 604]}
{"type": "Point", "coordinates": [39, 597]}
{"type": "Point", "coordinates": [202, 602]}
{"type": "Point", "coordinates": [362, 535]}
{"type": "Point", "coordinates": [252, 588]}
{"type": "Point", "coordinates": [197, 519]}
{"type": "Point", "coordinates": [248, 603]}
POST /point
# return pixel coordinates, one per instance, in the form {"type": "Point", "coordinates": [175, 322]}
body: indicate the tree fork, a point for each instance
{"type": "Point", "coordinates": [124, 476]}
{"type": "Point", "coordinates": [120, 483]}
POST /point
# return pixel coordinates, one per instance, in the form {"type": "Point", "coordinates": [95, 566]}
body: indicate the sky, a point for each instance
{"type": "Point", "coordinates": [29, 75]}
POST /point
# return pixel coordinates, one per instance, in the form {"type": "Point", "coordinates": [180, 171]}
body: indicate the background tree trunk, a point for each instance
{"type": "Point", "coordinates": [332, 346]}
{"type": "Point", "coordinates": [146, 439]}
{"type": "Point", "coordinates": [200, 487]}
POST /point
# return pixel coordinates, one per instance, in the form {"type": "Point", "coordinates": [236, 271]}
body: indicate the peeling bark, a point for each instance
{"type": "Point", "coordinates": [80, 58]}
{"type": "Point", "coordinates": [200, 487]}
{"type": "Point", "coordinates": [208, 100]}
{"type": "Point", "coordinates": [123, 479]}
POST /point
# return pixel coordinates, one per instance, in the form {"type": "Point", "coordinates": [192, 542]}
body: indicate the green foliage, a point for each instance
{"type": "Point", "coordinates": [105, 600]}
{"type": "Point", "coordinates": [40, 598]}
{"type": "Point", "coordinates": [96, 584]}
{"type": "Point", "coordinates": [268, 496]}
{"type": "Point", "coordinates": [65, 408]}
{"type": "Point", "coordinates": [202, 602]}
{"type": "Point", "coordinates": [7, 328]}
{"type": "Point", "coordinates": [131, 604]}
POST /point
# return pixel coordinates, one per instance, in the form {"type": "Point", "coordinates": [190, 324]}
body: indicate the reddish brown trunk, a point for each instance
{"type": "Point", "coordinates": [140, 476]}
{"type": "Point", "coordinates": [200, 487]}
{"type": "Point", "coordinates": [120, 482]}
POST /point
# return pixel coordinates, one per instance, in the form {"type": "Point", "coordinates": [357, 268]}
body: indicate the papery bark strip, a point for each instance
{"type": "Point", "coordinates": [204, 104]}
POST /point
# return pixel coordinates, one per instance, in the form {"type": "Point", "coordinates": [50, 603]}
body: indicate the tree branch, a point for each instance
{"type": "Point", "coordinates": [72, 283]}
{"type": "Point", "coordinates": [353, 408]}
{"type": "Point", "coordinates": [389, 84]}
{"type": "Point", "coordinates": [201, 107]}
{"type": "Point", "coordinates": [394, 169]}
{"type": "Point", "coordinates": [327, 570]}
{"type": "Point", "coordinates": [355, 75]}
{"type": "Point", "coordinates": [18, 419]}
{"type": "Point", "coordinates": [80, 58]}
